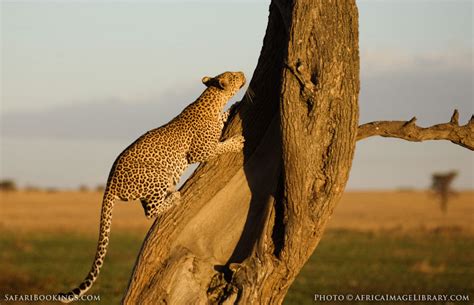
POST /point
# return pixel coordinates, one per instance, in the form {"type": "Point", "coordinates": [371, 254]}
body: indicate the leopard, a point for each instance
{"type": "Point", "coordinates": [150, 168]}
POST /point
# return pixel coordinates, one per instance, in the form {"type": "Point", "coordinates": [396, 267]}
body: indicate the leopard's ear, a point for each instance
{"type": "Point", "coordinates": [223, 83]}
{"type": "Point", "coordinates": [206, 80]}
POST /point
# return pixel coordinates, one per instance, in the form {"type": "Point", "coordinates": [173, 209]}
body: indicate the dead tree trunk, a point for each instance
{"type": "Point", "coordinates": [248, 222]}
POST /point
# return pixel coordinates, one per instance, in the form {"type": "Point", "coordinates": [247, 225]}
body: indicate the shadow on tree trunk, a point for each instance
{"type": "Point", "coordinates": [248, 222]}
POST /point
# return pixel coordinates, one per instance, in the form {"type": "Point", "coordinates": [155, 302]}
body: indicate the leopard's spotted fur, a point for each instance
{"type": "Point", "coordinates": [150, 168]}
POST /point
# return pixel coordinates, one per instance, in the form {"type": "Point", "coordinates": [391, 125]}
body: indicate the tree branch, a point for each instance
{"type": "Point", "coordinates": [407, 130]}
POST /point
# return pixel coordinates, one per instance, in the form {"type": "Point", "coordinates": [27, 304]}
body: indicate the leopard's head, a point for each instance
{"type": "Point", "coordinates": [228, 82]}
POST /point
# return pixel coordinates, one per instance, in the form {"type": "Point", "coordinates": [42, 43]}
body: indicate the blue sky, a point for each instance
{"type": "Point", "coordinates": [81, 80]}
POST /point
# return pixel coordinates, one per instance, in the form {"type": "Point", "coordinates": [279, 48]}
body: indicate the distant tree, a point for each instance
{"type": "Point", "coordinates": [100, 188]}
{"type": "Point", "coordinates": [248, 222]}
{"type": "Point", "coordinates": [52, 190]}
{"type": "Point", "coordinates": [83, 188]}
{"type": "Point", "coordinates": [441, 186]}
{"type": "Point", "coordinates": [8, 185]}
{"type": "Point", "coordinates": [32, 188]}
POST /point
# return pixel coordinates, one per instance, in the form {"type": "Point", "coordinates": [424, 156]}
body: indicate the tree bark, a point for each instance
{"type": "Point", "coordinates": [248, 222]}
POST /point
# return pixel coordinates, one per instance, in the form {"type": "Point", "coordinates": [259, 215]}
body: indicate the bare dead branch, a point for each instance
{"type": "Point", "coordinates": [408, 130]}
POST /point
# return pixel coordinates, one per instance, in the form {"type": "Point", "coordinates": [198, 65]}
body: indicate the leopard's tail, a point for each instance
{"type": "Point", "coordinates": [104, 232]}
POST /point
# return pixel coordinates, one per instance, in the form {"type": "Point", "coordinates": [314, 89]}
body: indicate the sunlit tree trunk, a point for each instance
{"type": "Point", "coordinates": [248, 222]}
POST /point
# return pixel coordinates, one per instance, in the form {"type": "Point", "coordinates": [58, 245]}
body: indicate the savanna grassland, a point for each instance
{"type": "Point", "coordinates": [376, 243]}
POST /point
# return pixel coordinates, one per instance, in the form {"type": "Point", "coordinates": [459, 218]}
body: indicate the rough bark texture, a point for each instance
{"type": "Point", "coordinates": [407, 130]}
{"type": "Point", "coordinates": [248, 222]}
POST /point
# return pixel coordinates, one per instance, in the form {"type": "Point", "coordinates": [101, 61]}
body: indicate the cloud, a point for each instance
{"type": "Point", "coordinates": [398, 86]}
{"type": "Point", "coordinates": [394, 86]}
{"type": "Point", "coordinates": [108, 119]}
{"type": "Point", "coordinates": [391, 60]}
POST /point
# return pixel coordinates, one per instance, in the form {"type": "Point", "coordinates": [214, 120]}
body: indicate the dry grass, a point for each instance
{"type": "Point", "coordinates": [72, 212]}
{"type": "Point", "coordinates": [403, 211]}
{"type": "Point", "coordinates": [78, 212]}
{"type": "Point", "coordinates": [48, 241]}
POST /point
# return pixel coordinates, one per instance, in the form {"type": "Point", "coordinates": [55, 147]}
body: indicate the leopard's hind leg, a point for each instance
{"type": "Point", "coordinates": [157, 204]}
{"type": "Point", "coordinates": [164, 195]}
